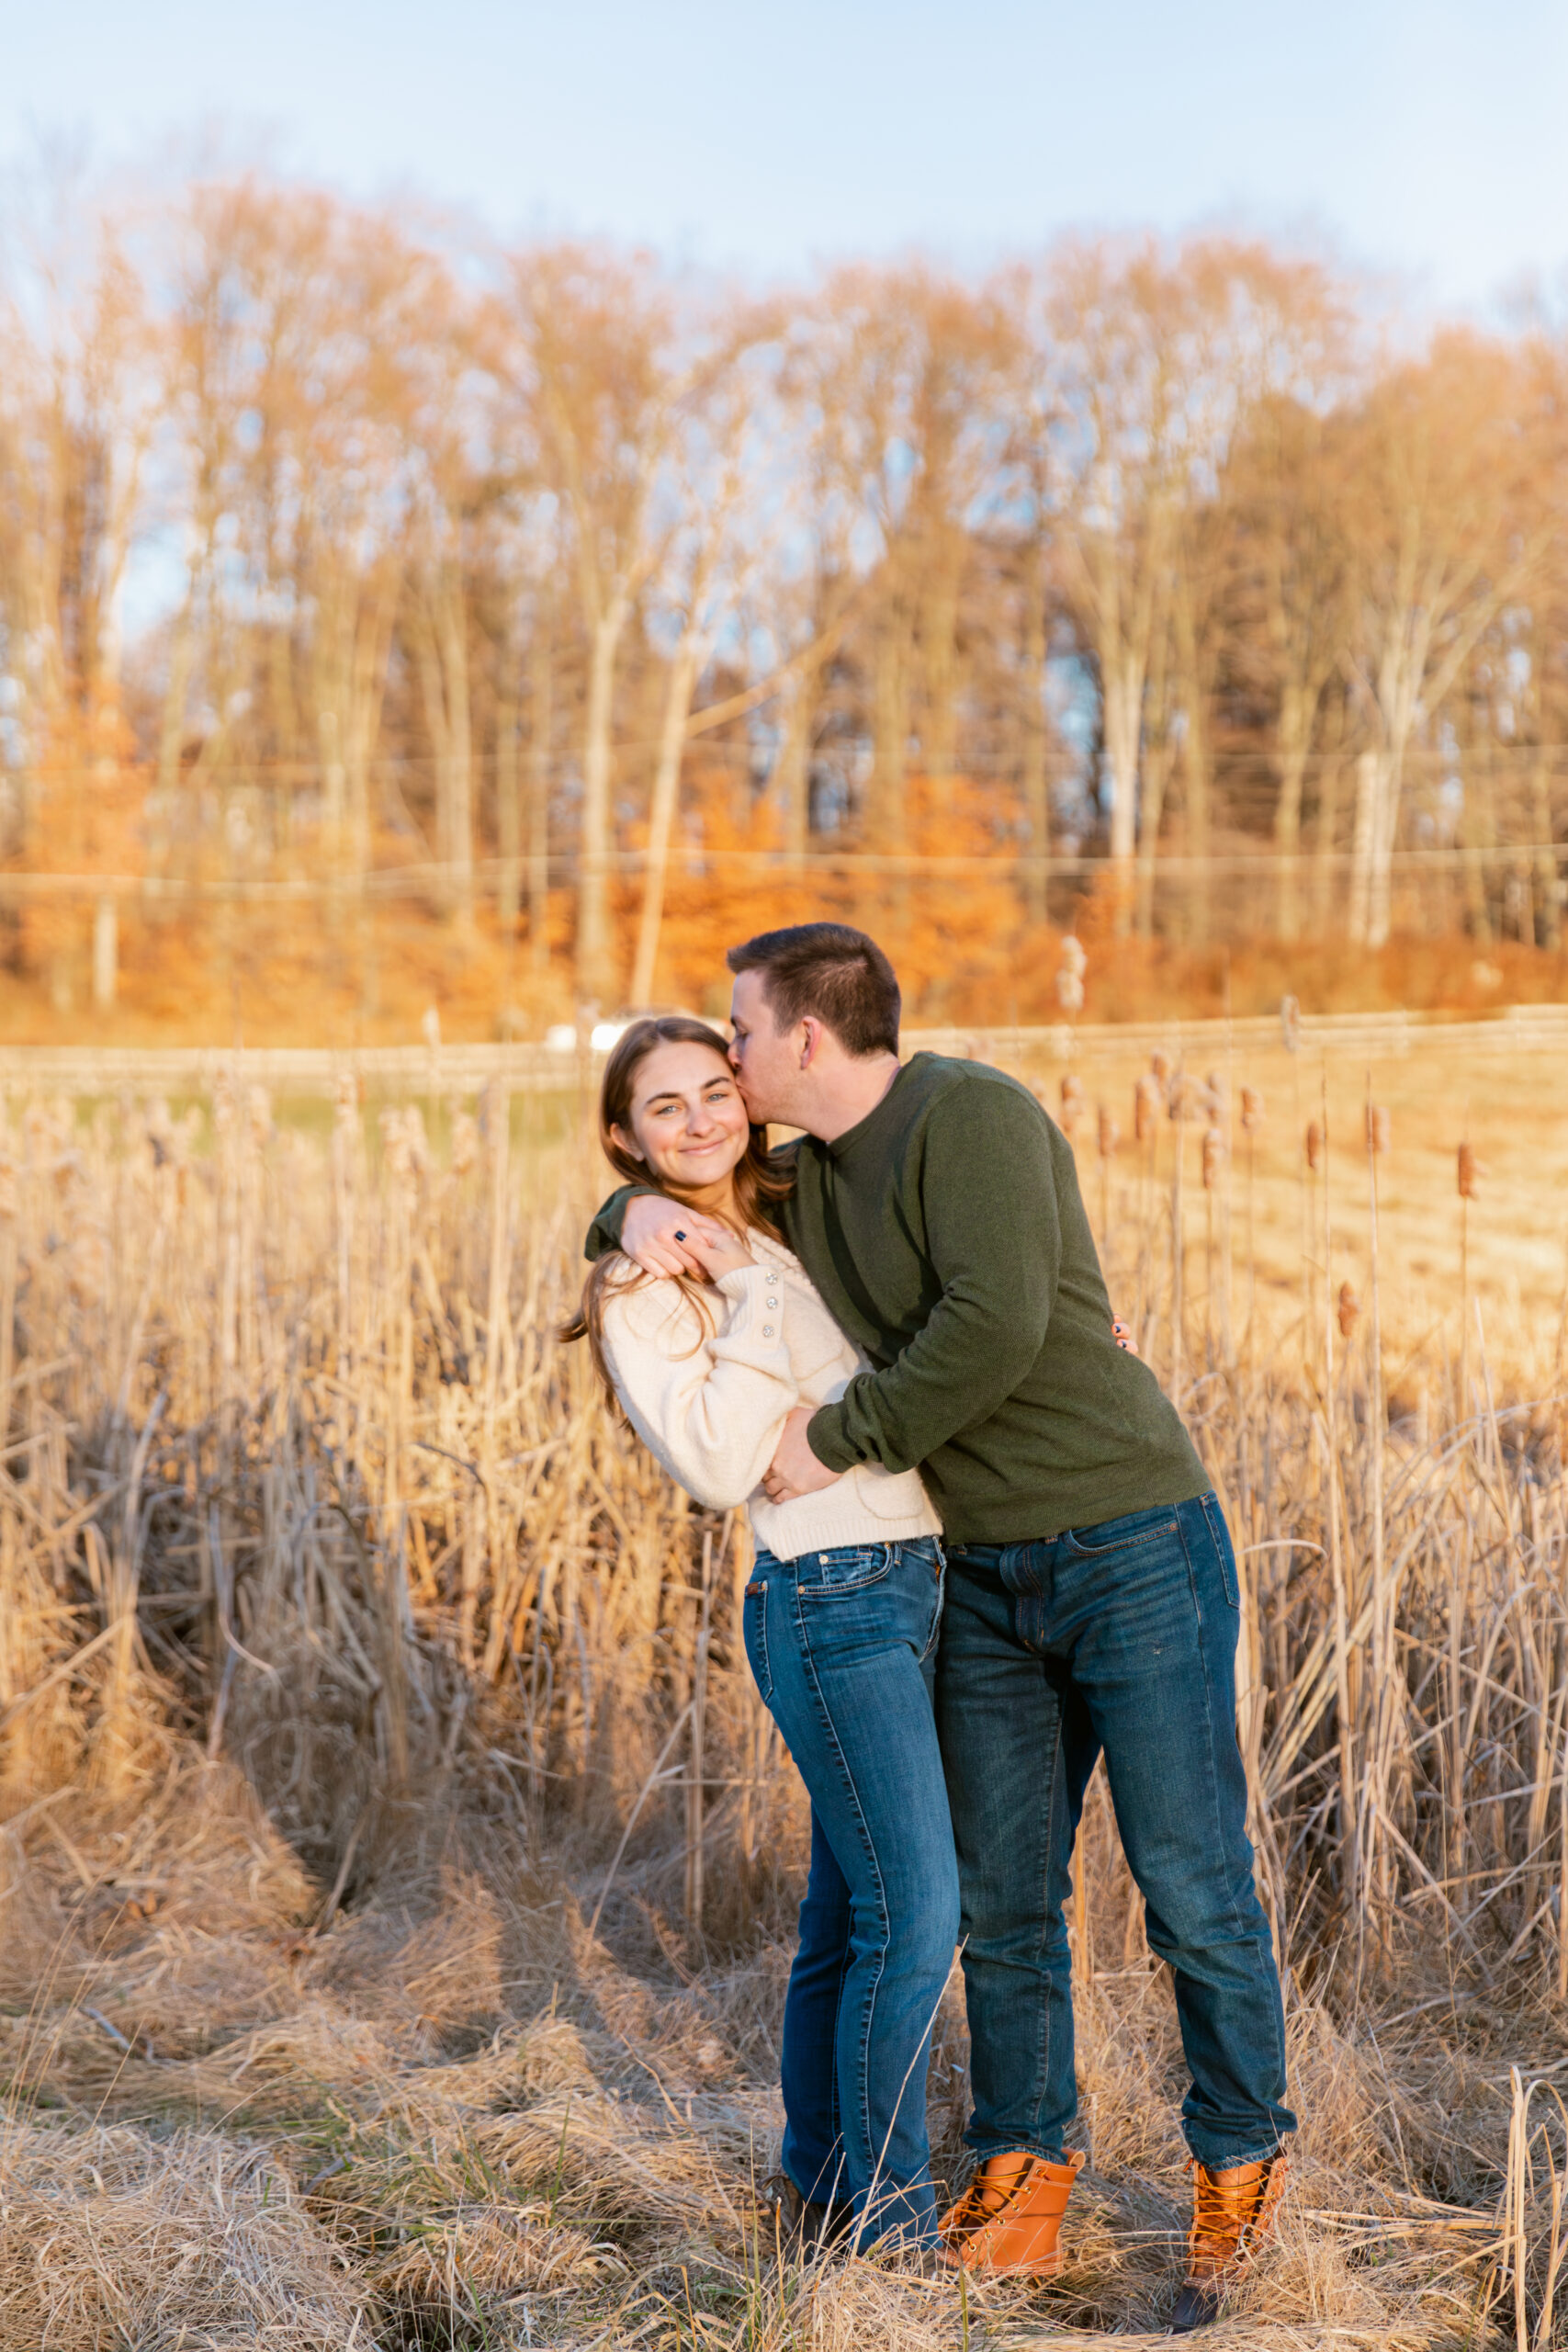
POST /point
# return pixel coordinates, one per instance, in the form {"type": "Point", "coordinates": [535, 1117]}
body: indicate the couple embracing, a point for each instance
{"type": "Point", "coordinates": [986, 1552]}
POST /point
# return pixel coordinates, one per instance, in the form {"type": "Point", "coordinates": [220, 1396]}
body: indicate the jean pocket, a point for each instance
{"type": "Point", "coordinates": [1220, 1536]}
{"type": "Point", "coordinates": [1120, 1534]}
{"type": "Point", "coordinates": [754, 1629]}
{"type": "Point", "coordinates": [831, 1576]}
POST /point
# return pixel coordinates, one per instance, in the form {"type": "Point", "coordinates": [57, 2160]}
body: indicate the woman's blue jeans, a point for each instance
{"type": "Point", "coordinates": [1120, 1639]}
{"type": "Point", "coordinates": [843, 1644]}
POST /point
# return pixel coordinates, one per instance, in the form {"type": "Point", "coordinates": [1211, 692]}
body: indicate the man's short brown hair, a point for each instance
{"type": "Point", "coordinates": [827, 972]}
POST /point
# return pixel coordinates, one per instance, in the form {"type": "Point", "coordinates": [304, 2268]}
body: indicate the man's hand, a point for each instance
{"type": "Point", "coordinates": [656, 1234]}
{"type": "Point", "coordinates": [794, 1469]}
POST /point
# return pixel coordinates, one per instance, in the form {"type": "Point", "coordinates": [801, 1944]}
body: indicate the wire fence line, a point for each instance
{"type": "Point", "coordinates": [461, 1070]}
{"type": "Point", "coordinates": [419, 876]}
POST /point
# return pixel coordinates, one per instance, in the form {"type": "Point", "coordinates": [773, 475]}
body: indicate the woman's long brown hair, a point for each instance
{"type": "Point", "coordinates": [758, 1185]}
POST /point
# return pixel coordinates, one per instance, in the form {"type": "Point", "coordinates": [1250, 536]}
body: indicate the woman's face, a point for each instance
{"type": "Point", "coordinates": [688, 1121]}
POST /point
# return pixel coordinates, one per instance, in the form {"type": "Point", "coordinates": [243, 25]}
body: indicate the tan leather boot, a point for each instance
{"type": "Point", "coordinates": [1008, 2219]}
{"type": "Point", "coordinates": [1233, 2211]}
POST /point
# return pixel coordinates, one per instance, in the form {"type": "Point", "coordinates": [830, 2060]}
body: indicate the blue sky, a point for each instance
{"type": "Point", "coordinates": [1423, 139]}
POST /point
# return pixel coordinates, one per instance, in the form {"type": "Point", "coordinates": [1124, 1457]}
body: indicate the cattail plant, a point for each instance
{"type": "Point", "coordinates": [1378, 1134]}
{"type": "Point", "coordinates": [1070, 976]}
{"type": "Point", "coordinates": [1214, 1158]}
{"type": "Point", "coordinates": [1219, 1113]}
{"type": "Point", "coordinates": [1108, 1135]}
{"type": "Point", "coordinates": [1469, 1172]}
{"type": "Point", "coordinates": [1146, 1104]}
{"type": "Point", "coordinates": [1183, 1103]}
{"type": "Point", "coordinates": [1252, 1122]}
{"type": "Point", "coordinates": [1073, 1102]}
{"type": "Point", "coordinates": [1314, 1147]}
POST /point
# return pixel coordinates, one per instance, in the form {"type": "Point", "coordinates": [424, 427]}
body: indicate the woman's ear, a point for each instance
{"type": "Point", "coordinates": [628, 1144]}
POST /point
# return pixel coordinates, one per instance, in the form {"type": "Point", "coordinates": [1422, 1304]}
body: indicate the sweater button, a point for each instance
{"type": "Point", "coordinates": [767, 1330]}
{"type": "Point", "coordinates": [770, 1302]}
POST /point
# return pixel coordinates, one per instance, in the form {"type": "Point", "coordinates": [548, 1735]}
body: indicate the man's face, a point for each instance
{"type": "Point", "coordinates": [766, 1064]}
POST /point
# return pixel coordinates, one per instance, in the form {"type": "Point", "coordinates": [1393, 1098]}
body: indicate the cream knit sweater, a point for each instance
{"type": "Point", "coordinates": [709, 1404]}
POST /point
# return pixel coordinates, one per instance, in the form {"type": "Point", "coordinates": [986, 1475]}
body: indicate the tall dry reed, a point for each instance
{"type": "Point", "coordinates": [294, 1476]}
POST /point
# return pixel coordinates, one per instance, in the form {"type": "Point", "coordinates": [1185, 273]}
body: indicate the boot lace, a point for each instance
{"type": "Point", "coordinates": [988, 2195]}
{"type": "Point", "coordinates": [1230, 2218]}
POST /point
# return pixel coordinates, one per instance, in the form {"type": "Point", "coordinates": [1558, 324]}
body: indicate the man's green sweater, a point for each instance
{"type": "Point", "coordinates": [947, 1235]}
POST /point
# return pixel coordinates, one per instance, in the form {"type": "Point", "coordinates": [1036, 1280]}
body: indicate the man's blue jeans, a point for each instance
{"type": "Point", "coordinates": [1120, 1637]}
{"type": "Point", "coordinates": [843, 1644]}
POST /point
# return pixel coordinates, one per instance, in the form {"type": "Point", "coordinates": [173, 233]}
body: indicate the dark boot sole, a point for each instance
{"type": "Point", "coordinates": [1195, 2307]}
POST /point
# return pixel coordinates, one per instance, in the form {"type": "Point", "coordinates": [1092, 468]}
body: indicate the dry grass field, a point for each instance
{"type": "Point", "coordinates": [396, 1866]}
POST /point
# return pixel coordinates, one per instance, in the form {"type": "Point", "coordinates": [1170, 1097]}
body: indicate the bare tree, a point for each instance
{"type": "Point", "coordinates": [1442, 537]}
{"type": "Point", "coordinates": [615, 364]}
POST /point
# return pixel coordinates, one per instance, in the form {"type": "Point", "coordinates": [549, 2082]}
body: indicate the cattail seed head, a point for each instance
{"type": "Point", "coordinates": [1145, 1106]}
{"type": "Point", "coordinates": [465, 1142]}
{"type": "Point", "coordinates": [1251, 1110]}
{"type": "Point", "coordinates": [1218, 1097]}
{"type": "Point", "coordinates": [1183, 1097]}
{"type": "Point", "coordinates": [1159, 1068]}
{"type": "Point", "coordinates": [1109, 1135]}
{"type": "Point", "coordinates": [1350, 1309]}
{"type": "Point", "coordinates": [1072, 1102]}
{"type": "Point", "coordinates": [1469, 1169]}
{"type": "Point", "coordinates": [1315, 1146]}
{"type": "Point", "coordinates": [1291, 1024]}
{"type": "Point", "coordinates": [1069, 979]}
{"type": "Point", "coordinates": [1380, 1128]}
{"type": "Point", "coordinates": [1214, 1157]}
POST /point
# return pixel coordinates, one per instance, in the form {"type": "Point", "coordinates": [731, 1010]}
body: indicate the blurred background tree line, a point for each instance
{"type": "Point", "coordinates": [387, 619]}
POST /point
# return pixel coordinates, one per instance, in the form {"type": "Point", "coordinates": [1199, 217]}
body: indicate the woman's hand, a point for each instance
{"type": "Point", "coordinates": [717, 1250]}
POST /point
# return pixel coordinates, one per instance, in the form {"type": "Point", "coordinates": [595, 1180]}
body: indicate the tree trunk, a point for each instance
{"type": "Point", "coordinates": [442, 657]}
{"type": "Point", "coordinates": [1194, 759]}
{"type": "Point", "coordinates": [459, 841]}
{"type": "Point", "coordinates": [794, 766]}
{"type": "Point", "coordinates": [1036, 782]}
{"type": "Point", "coordinates": [106, 953]}
{"type": "Point", "coordinates": [595, 966]}
{"type": "Point", "coordinates": [939, 630]}
{"type": "Point", "coordinates": [1363, 847]}
{"type": "Point", "coordinates": [888, 828]}
{"type": "Point", "coordinates": [1380, 911]}
{"type": "Point", "coordinates": [374, 621]}
{"type": "Point", "coordinates": [541, 719]}
{"type": "Point", "coordinates": [1122, 676]}
{"type": "Point", "coordinates": [171, 733]}
{"type": "Point", "coordinates": [1291, 766]}
{"type": "Point", "coordinates": [1550, 926]}
{"type": "Point", "coordinates": [508, 821]}
{"type": "Point", "coordinates": [679, 686]}
{"type": "Point", "coordinates": [1158, 753]}
{"type": "Point", "coordinates": [890, 722]}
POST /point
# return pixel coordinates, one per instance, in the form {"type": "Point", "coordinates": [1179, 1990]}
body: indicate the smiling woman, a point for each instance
{"type": "Point", "coordinates": [671, 1118]}
{"type": "Point", "coordinates": [687, 1122]}
{"type": "Point", "coordinates": [841, 1614]}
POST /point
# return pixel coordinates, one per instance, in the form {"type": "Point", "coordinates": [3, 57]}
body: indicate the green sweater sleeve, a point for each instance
{"type": "Point", "coordinates": [605, 1233]}
{"type": "Point", "coordinates": [993, 1236]}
